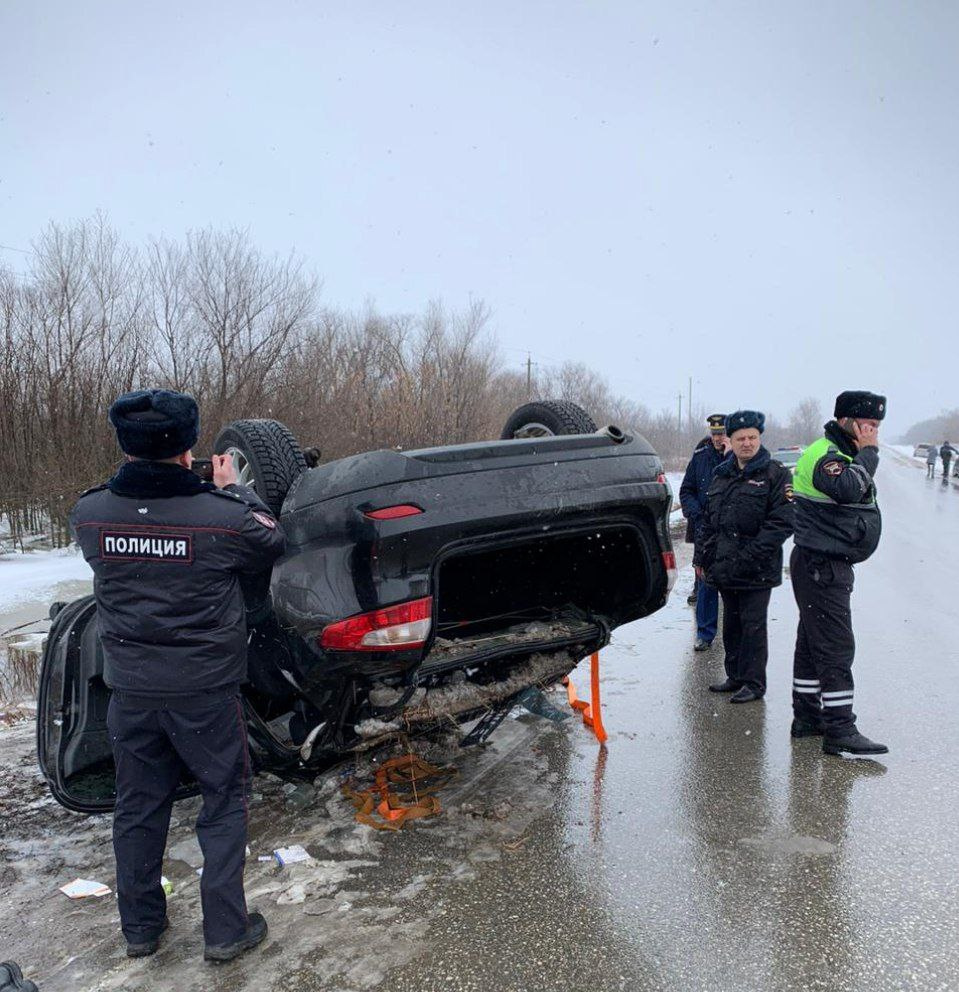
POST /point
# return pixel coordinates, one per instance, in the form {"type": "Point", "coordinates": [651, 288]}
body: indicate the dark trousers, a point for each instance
{"type": "Point", "coordinates": [825, 645]}
{"type": "Point", "coordinates": [707, 611]}
{"type": "Point", "coordinates": [744, 636]}
{"type": "Point", "coordinates": [152, 746]}
{"type": "Point", "coordinates": [945, 469]}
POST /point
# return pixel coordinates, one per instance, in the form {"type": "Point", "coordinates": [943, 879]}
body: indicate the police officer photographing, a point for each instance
{"type": "Point", "coordinates": [167, 551]}
{"type": "Point", "coordinates": [837, 525]}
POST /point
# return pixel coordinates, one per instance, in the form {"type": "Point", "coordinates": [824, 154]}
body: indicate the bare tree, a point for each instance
{"type": "Point", "coordinates": [806, 421]}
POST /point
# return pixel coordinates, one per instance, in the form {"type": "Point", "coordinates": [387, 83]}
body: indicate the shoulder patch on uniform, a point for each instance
{"type": "Point", "coordinates": [144, 545]}
{"type": "Point", "coordinates": [262, 518]}
{"type": "Point", "coordinates": [834, 468]}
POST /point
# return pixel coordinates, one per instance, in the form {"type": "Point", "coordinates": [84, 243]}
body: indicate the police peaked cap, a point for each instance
{"type": "Point", "coordinates": [155, 423]}
{"type": "Point", "coordinates": [860, 403]}
{"type": "Point", "coordinates": [745, 420]}
{"type": "Point", "coordinates": [717, 422]}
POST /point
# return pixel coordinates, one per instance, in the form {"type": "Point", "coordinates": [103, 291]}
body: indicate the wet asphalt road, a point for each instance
{"type": "Point", "coordinates": [705, 850]}
{"type": "Point", "coordinates": [701, 850]}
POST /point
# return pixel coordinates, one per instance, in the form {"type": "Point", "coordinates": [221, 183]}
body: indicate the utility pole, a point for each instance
{"type": "Point", "coordinates": [679, 418]}
{"type": "Point", "coordinates": [529, 376]}
{"type": "Point", "coordinates": [689, 406]}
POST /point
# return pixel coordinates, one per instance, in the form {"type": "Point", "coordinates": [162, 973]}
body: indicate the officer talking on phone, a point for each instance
{"type": "Point", "coordinates": [168, 550]}
{"type": "Point", "coordinates": [837, 525]}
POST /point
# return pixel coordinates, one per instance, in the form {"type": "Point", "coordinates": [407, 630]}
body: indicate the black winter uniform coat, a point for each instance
{"type": "Point", "coordinates": [749, 514]}
{"type": "Point", "coordinates": [695, 485]}
{"type": "Point", "coordinates": [168, 552]}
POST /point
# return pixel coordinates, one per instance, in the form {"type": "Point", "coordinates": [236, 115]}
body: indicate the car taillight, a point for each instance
{"type": "Point", "coordinates": [393, 512]}
{"type": "Point", "coordinates": [669, 560]}
{"type": "Point", "coordinates": [394, 628]}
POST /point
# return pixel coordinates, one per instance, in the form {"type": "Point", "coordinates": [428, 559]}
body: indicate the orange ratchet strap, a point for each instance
{"type": "Point", "coordinates": [405, 788]}
{"type": "Point", "coordinates": [592, 711]}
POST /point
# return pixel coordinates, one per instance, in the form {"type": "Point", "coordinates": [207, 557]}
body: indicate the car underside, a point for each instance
{"type": "Point", "coordinates": [419, 589]}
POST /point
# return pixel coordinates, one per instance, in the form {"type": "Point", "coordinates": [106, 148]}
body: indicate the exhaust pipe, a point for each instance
{"type": "Point", "coordinates": [613, 433]}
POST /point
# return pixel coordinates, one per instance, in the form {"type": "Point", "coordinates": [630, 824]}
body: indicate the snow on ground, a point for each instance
{"type": "Point", "coordinates": [26, 577]}
{"type": "Point", "coordinates": [675, 480]}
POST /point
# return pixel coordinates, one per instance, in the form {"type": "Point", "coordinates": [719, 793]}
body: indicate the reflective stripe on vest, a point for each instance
{"type": "Point", "coordinates": [808, 460]}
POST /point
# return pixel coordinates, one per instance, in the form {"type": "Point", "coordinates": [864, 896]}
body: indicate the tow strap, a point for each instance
{"type": "Point", "coordinates": [404, 789]}
{"type": "Point", "coordinates": [592, 711]}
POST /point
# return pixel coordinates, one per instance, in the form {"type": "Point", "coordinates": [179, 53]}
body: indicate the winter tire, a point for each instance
{"type": "Point", "coordinates": [266, 456]}
{"type": "Point", "coordinates": [545, 418]}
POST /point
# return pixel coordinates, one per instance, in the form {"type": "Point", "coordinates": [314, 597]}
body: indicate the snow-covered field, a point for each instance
{"type": "Point", "coordinates": [28, 577]}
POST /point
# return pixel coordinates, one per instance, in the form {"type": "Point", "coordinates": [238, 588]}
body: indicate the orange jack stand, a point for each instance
{"type": "Point", "coordinates": [592, 711]}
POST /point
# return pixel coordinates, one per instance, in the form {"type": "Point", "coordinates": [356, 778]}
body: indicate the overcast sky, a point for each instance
{"type": "Point", "coordinates": [760, 195]}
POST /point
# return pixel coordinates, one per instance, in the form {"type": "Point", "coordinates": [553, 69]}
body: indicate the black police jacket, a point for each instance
{"type": "Point", "coordinates": [695, 485]}
{"type": "Point", "coordinates": [749, 514]}
{"type": "Point", "coordinates": [168, 552]}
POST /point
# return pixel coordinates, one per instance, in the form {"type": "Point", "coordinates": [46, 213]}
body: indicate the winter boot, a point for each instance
{"type": "Point", "coordinates": [12, 980]}
{"type": "Point", "coordinates": [144, 948]}
{"type": "Point", "coordinates": [255, 934]}
{"type": "Point", "coordinates": [729, 685]}
{"type": "Point", "coordinates": [853, 743]}
{"type": "Point", "coordinates": [806, 728]}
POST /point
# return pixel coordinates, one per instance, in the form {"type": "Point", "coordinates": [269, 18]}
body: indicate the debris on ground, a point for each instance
{"type": "Point", "coordinates": [81, 888]}
{"type": "Point", "coordinates": [291, 855]}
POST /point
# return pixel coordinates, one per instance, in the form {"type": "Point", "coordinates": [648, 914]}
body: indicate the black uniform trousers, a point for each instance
{"type": "Point", "coordinates": [744, 636]}
{"type": "Point", "coordinates": [825, 645]}
{"type": "Point", "coordinates": [152, 746]}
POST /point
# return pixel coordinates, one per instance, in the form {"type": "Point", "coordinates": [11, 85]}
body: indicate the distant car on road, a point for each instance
{"type": "Point", "coordinates": [789, 456]}
{"type": "Point", "coordinates": [921, 450]}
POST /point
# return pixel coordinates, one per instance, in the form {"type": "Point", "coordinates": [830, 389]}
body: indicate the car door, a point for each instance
{"type": "Point", "coordinates": [73, 743]}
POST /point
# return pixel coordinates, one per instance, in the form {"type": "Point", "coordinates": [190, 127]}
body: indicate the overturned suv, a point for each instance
{"type": "Point", "coordinates": [419, 589]}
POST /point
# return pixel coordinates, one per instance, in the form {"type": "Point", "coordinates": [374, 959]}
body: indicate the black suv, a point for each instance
{"type": "Point", "coordinates": [418, 587]}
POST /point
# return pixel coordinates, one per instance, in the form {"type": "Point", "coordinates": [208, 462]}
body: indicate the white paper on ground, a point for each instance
{"type": "Point", "coordinates": [292, 854]}
{"type": "Point", "coordinates": [80, 888]}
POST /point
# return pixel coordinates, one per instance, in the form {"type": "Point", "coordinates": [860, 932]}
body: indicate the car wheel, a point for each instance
{"type": "Point", "coordinates": [266, 456]}
{"type": "Point", "coordinates": [545, 418]}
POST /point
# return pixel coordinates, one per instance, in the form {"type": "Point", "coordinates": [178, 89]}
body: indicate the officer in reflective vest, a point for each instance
{"type": "Point", "coordinates": [837, 525]}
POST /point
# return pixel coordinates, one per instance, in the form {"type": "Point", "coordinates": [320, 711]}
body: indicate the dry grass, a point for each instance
{"type": "Point", "coordinates": [20, 668]}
